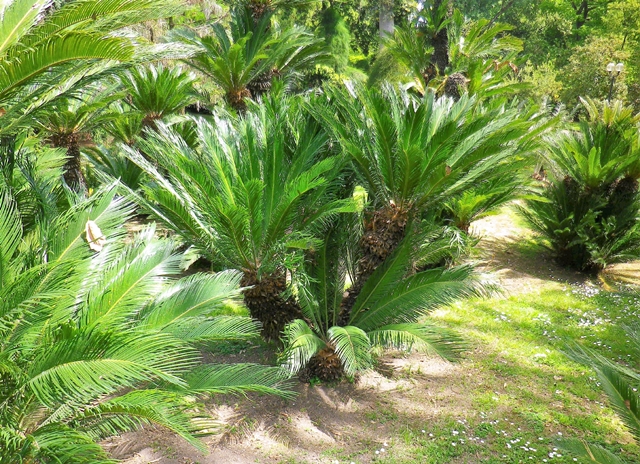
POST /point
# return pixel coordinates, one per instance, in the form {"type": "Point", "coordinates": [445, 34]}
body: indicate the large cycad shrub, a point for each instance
{"type": "Point", "coordinates": [244, 60]}
{"type": "Point", "coordinates": [589, 211]}
{"type": "Point", "coordinates": [99, 337]}
{"type": "Point", "coordinates": [250, 197]}
{"type": "Point", "coordinates": [416, 156]}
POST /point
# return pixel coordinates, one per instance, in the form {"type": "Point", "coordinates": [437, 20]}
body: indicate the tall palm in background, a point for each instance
{"type": "Point", "coordinates": [253, 195]}
{"type": "Point", "coordinates": [99, 337]}
{"type": "Point", "coordinates": [477, 58]}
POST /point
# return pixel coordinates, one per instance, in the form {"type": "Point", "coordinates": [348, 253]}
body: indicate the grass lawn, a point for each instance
{"type": "Point", "coordinates": [522, 391]}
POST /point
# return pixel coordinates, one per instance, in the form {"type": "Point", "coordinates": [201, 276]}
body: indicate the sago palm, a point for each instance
{"type": "Point", "coordinates": [45, 55]}
{"type": "Point", "coordinates": [474, 57]}
{"type": "Point", "coordinates": [589, 211]}
{"type": "Point", "coordinates": [99, 337]}
{"type": "Point", "coordinates": [413, 155]}
{"type": "Point", "coordinates": [244, 61]}
{"type": "Point", "coordinates": [249, 198]}
{"type": "Point", "coordinates": [331, 341]}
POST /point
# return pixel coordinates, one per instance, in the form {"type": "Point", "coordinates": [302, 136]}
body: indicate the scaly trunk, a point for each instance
{"type": "Point", "coordinates": [73, 175]}
{"type": "Point", "coordinates": [325, 366]}
{"type": "Point", "coordinates": [384, 229]}
{"type": "Point", "coordinates": [267, 304]}
{"type": "Point", "coordinates": [440, 56]}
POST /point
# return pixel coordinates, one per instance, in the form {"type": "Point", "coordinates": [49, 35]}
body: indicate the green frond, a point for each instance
{"type": "Point", "coordinates": [589, 452]}
{"type": "Point", "coordinates": [622, 396]}
{"type": "Point", "coordinates": [200, 329]}
{"type": "Point", "coordinates": [10, 233]}
{"type": "Point", "coordinates": [90, 364]}
{"type": "Point", "coordinates": [425, 338]}
{"type": "Point", "coordinates": [17, 71]}
{"type": "Point", "coordinates": [300, 345]}
{"type": "Point", "coordinates": [65, 237]}
{"type": "Point", "coordinates": [18, 16]}
{"type": "Point", "coordinates": [134, 409]}
{"type": "Point", "coordinates": [100, 16]}
{"type": "Point", "coordinates": [63, 444]}
{"type": "Point", "coordinates": [353, 347]}
{"type": "Point", "coordinates": [416, 295]}
{"type": "Point", "coordinates": [239, 378]}
{"type": "Point", "coordinates": [194, 296]}
{"type": "Point", "coordinates": [130, 279]}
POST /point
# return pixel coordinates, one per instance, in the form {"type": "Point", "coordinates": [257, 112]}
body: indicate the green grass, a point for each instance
{"type": "Point", "coordinates": [525, 393]}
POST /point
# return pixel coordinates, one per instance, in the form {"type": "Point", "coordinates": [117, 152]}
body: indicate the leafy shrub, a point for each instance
{"type": "Point", "coordinates": [589, 210]}
{"type": "Point", "coordinates": [98, 337]}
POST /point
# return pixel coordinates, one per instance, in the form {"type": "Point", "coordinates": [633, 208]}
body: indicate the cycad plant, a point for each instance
{"type": "Point", "coordinates": [589, 211]}
{"type": "Point", "coordinates": [68, 123]}
{"type": "Point", "coordinates": [253, 195]}
{"type": "Point", "coordinates": [331, 342]}
{"type": "Point", "coordinates": [244, 61]}
{"type": "Point", "coordinates": [44, 54]}
{"type": "Point", "coordinates": [99, 337]}
{"type": "Point", "coordinates": [452, 55]}
{"type": "Point", "coordinates": [414, 155]}
{"type": "Point", "coordinates": [156, 92]}
{"type": "Point", "coordinates": [621, 386]}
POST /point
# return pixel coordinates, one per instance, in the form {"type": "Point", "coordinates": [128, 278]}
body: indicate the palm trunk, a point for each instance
{"type": "Point", "coordinates": [440, 56]}
{"type": "Point", "coordinates": [267, 304]}
{"type": "Point", "coordinates": [383, 232]}
{"type": "Point", "coordinates": [73, 175]}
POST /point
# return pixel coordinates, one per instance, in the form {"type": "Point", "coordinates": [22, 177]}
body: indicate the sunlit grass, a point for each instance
{"type": "Point", "coordinates": [525, 393]}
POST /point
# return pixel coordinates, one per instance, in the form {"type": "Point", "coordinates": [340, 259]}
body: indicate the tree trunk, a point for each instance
{"type": "Point", "coordinates": [386, 18]}
{"type": "Point", "coordinates": [384, 229]}
{"type": "Point", "coordinates": [266, 303]}
{"type": "Point", "coordinates": [73, 175]}
{"type": "Point", "coordinates": [440, 56]}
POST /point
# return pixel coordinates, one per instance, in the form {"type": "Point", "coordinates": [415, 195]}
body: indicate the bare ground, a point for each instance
{"type": "Point", "coordinates": [359, 418]}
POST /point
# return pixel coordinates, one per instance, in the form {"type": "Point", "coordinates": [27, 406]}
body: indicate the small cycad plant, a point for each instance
{"type": "Point", "coordinates": [334, 339]}
{"type": "Point", "coordinates": [588, 212]}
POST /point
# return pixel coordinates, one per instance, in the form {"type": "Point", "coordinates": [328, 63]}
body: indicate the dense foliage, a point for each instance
{"type": "Point", "coordinates": [322, 163]}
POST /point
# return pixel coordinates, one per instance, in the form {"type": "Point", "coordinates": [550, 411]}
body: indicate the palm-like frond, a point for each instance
{"type": "Point", "coordinates": [238, 378]}
{"type": "Point", "coordinates": [85, 352]}
{"type": "Point", "coordinates": [18, 17]}
{"type": "Point", "coordinates": [353, 347]}
{"type": "Point", "coordinates": [301, 344]}
{"type": "Point", "coordinates": [424, 338]}
{"type": "Point", "coordinates": [10, 233]}
{"type": "Point", "coordinates": [588, 451]}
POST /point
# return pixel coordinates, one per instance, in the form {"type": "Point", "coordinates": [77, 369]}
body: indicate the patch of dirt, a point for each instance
{"type": "Point", "coordinates": [354, 416]}
{"type": "Point", "coordinates": [516, 270]}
